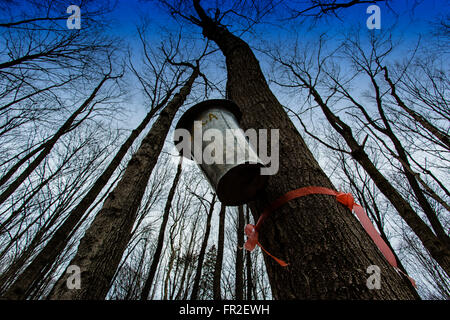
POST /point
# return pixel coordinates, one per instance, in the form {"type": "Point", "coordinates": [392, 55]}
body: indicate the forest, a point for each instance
{"type": "Point", "coordinates": [96, 202]}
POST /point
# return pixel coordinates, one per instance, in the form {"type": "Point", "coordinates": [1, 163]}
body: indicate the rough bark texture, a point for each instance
{"type": "Point", "coordinates": [201, 255]}
{"type": "Point", "coordinates": [239, 284]}
{"type": "Point", "coordinates": [162, 231]}
{"type": "Point", "coordinates": [43, 261]}
{"type": "Point", "coordinates": [327, 249]}
{"type": "Point", "coordinates": [101, 248]}
{"type": "Point", "coordinates": [219, 259]}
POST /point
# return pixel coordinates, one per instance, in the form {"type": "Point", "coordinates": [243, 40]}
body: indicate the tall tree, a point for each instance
{"type": "Point", "coordinates": [44, 259]}
{"type": "Point", "coordinates": [206, 288]}
{"type": "Point", "coordinates": [248, 263]}
{"type": "Point", "coordinates": [381, 129]}
{"type": "Point", "coordinates": [201, 255]}
{"type": "Point", "coordinates": [162, 230]}
{"type": "Point", "coordinates": [102, 246]}
{"type": "Point", "coordinates": [327, 249]}
{"type": "Point", "coordinates": [239, 283]}
{"type": "Point", "coordinates": [219, 259]}
{"type": "Point", "coordinates": [48, 146]}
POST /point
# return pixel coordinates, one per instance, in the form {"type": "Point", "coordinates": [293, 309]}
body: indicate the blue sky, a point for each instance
{"type": "Point", "coordinates": [410, 22]}
{"type": "Point", "coordinates": [128, 13]}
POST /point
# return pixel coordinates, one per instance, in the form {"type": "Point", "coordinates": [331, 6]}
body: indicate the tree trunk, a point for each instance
{"type": "Point", "coordinates": [48, 146]}
{"type": "Point", "coordinates": [54, 247]}
{"type": "Point", "coordinates": [248, 263]}
{"type": "Point", "coordinates": [440, 135]}
{"type": "Point", "coordinates": [239, 285]}
{"type": "Point", "coordinates": [201, 255]}
{"type": "Point", "coordinates": [417, 191]}
{"type": "Point", "coordinates": [103, 244]}
{"type": "Point", "coordinates": [162, 230]}
{"type": "Point", "coordinates": [187, 261]}
{"type": "Point", "coordinates": [437, 249]}
{"type": "Point", "coordinates": [326, 247]}
{"type": "Point", "coordinates": [219, 259]}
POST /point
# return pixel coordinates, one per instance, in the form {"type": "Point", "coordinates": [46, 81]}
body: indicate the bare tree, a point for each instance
{"type": "Point", "coordinates": [301, 70]}
{"type": "Point", "coordinates": [239, 286]}
{"type": "Point", "coordinates": [157, 254]}
{"type": "Point", "coordinates": [248, 264]}
{"type": "Point", "coordinates": [316, 217]}
{"type": "Point", "coordinates": [119, 210]}
{"type": "Point", "coordinates": [219, 259]}
{"type": "Point", "coordinates": [201, 255]}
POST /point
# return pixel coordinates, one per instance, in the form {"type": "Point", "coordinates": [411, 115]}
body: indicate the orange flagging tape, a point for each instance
{"type": "Point", "coordinates": [252, 231]}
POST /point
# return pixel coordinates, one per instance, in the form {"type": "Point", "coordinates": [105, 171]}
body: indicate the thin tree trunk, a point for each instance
{"type": "Point", "coordinates": [403, 158]}
{"type": "Point", "coordinates": [440, 135]}
{"type": "Point", "coordinates": [187, 261]}
{"type": "Point", "coordinates": [104, 242]}
{"type": "Point", "coordinates": [437, 249]}
{"type": "Point", "coordinates": [48, 146]}
{"type": "Point", "coordinates": [162, 231]}
{"type": "Point", "coordinates": [219, 258]}
{"type": "Point", "coordinates": [239, 284]}
{"type": "Point", "coordinates": [371, 207]}
{"type": "Point", "coordinates": [44, 259]}
{"type": "Point", "coordinates": [135, 282]}
{"type": "Point", "coordinates": [326, 247]}
{"type": "Point", "coordinates": [248, 262]}
{"type": "Point", "coordinates": [201, 256]}
{"type": "Point", "coordinates": [19, 163]}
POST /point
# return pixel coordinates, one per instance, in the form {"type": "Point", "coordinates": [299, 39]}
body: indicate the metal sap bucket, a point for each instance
{"type": "Point", "coordinates": [238, 179]}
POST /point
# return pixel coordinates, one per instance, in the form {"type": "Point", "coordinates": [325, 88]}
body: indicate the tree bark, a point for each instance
{"type": "Point", "coordinates": [162, 230]}
{"type": "Point", "coordinates": [102, 246]}
{"type": "Point", "coordinates": [327, 249]}
{"type": "Point", "coordinates": [201, 255]}
{"type": "Point", "coordinates": [219, 259]}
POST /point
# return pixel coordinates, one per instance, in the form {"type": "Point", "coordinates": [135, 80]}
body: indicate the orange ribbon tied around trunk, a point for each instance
{"type": "Point", "coordinates": [252, 231]}
{"type": "Point", "coordinates": [252, 241]}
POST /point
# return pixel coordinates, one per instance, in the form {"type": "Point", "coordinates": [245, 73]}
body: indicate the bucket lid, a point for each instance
{"type": "Point", "coordinates": [191, 113]}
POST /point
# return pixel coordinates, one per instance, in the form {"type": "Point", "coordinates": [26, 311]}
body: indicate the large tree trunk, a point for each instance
{"type": "Point", "coordinates": [102, 246]}
{"type": "Point", "coordinates": [43, 261]}
{"type": "Point", "coordinates": [201, 255]}
{"type": "Point", "coordinates": [239, 283]}
{"type": "Point", "coordinates": [327, 249]}
{"type": "Point", "coordinates": [219, 258]}
{"type": "Point", "coordinates": [162, 231]}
